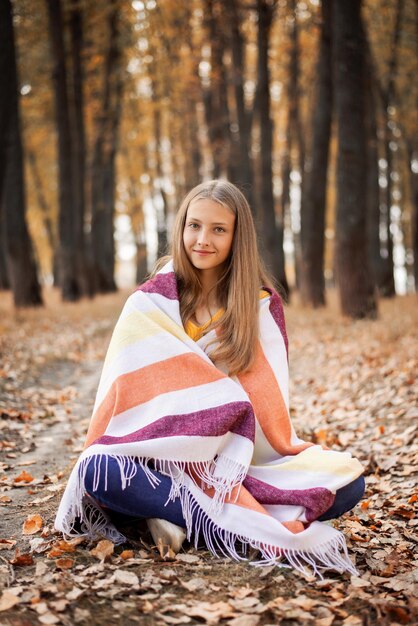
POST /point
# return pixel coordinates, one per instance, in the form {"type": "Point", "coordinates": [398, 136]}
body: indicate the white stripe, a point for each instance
{"type": "Point", "coordinates": [184, 448]}
{"type": "Point", "coordinates": [153, 349]}
{"type": "Point", "coordinates": [259, 527]}
{"type": "Point", "coordinates": [179, 402]}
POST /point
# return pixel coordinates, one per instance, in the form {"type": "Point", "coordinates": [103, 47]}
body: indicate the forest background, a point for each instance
{"type": "Point", "coordinates": [111, 111]}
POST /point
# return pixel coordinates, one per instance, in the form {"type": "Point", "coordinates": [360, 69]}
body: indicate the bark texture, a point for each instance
{"type": "Point", "coordinates": [272, 230]}
{"type": "Point", "coordinates": [19, 253]}
{"type": "Point", "coordinates": [315, 187]}
{"type": "Point", "coordinates": [103, 167]}
{"type": "Point", "coordinates": [68, 280]}
{"type": "Point", "coordinates": [356, 289]}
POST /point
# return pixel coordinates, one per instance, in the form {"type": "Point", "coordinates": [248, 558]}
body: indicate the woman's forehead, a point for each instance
{"type": "Point", "coordinates": [208, 207]}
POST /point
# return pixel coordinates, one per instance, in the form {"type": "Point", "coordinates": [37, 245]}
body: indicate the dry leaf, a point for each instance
{"type": "Point", "coordinates": [244, 620]}
{"type": "Point", "coordinates": [103, 550]}
{"type": "Point", "coordinates": [212, 613]}
{"type": "Point", "coordinates": [21, 560]}
{"type": "Point", "coordinates": [61, 547]}
{"type": "Point", "coordinates": [194, 584]}
{"type": "Point", "coordinates": [8, 600]}
{"type": "Point", "coordinates": [48, 618]}
{"type": "Point", "coordinates": [124, 577]}
{"type": "Point", "coordinates": [32, 524]}
{"type": "Point", "coordinates": [187, 558]}
{"type": "Point", "coordinates": [7, 544]}
{"type": "Point", "coordinates": [358, 582]}
{"type": "Point", "coordinates": [24, 477]}
{"type": "Point", "coordinates": [64, 563]}
{"type": "Point", "coordinates": [127, 554]}
{"type": "Point", "coordinates": [5, 499]}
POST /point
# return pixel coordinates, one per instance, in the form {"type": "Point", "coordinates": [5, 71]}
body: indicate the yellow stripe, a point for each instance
{"type": "Point", "coordinates": [137, 326]}
{"type": "Point", "coordinates": [321, 461]}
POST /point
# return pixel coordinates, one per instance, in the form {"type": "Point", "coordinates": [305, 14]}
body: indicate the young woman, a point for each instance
{"type": "Point", "coordinates": [191, 428]}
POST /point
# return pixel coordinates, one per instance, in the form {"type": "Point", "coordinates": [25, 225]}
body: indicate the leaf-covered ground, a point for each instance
{"type": "Point", "coordinates": [353, 386]}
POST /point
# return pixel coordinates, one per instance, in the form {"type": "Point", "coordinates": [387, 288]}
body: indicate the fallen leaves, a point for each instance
{"type": "Point", "coordinates": [64, 563]}
{"type": "Point", "coordinates": [103, 550]}
{"type": "Point", "coordinates": [124, 577]}
{"type": "Point", "coordinates": [24, 477]}
{"type": "Point", "coordinates": [358, 396]}
{"type": "Point", "coordinates": [21, 560]}
{"type": "Point", "coordinates": [127, 554]}
{"type": "Point", "coordinates": [32, 524]}
{"type": "Point", "coordinates": [8, 600]}
{"type": "Point", "coordinates": [7, 544]}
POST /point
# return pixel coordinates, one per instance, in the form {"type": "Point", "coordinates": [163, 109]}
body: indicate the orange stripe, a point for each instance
{"type": "Point", "coordinates": [247, 501]}
{"type": "Point", "coordinates": [135, 388]}
{"type": "Point", "coordinates": [263, 390]}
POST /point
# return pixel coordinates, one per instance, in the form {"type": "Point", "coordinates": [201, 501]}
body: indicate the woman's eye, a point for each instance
{"type": "Point", "coordinates": [192, 225]}
{"type": "Point", "coordinates": [219, 229]}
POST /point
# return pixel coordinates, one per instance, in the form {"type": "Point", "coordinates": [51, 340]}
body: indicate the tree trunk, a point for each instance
{"type": "Point", "coordinates": [372, 189]}
{"type": "Point", "coordinates": [413, 178]}
{"type": "Point", "coordinates": [295, 129]}
{"type": "Point", "coordinates": [4, 279]}
{"type": "Point", "coordinates": [387, 282]}
{"type": "Point", "coordinates": [193, 175]}
{"type": "Point", "coordinates": [79, 150]}
{"type": "Point", "coordinates": [5, 114]}
{"type": "Point", "coordinates": [103, 167]}
{"type": "Point", "coordinates": [244, 178]}
{"type": "Point", "coordinates": [353, 274]}
{"type": "Point", "coordinates": [161, 215]}
{"type": "Point", "coordinates": [67, 266]}
{"type": "Point", "coordinates": [141, 262]}
{"type": "Point", "coordinates": [272, 232]}
{"type": "Point", "coordinates": [41, 199]}
{"type": "Point", "coordinates": [315, 187]}
{"type": "Point", "coordinates": [195, 160]}
{"type": "Point", "coordinates": [215, 98]}
{"type": "Point", "coordinates": [20, 260]}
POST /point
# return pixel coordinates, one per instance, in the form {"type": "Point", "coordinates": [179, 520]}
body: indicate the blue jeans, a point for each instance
{"type": "Point", "coordinates": [141, 501]}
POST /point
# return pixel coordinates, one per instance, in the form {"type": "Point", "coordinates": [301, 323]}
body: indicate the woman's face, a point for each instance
{"type": "Point", "coordinates": [208, 234]}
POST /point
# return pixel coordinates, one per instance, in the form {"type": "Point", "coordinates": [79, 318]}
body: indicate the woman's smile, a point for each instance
{"type": "Point", "coordinates": [208, 234]}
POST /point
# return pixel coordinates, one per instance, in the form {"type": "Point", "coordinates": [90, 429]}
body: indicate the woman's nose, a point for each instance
{"type": "Point", "coordinates": [203, 239]}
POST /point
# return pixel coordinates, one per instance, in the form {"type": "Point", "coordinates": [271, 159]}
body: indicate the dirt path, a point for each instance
{"type": "Point", "coordinates": [55, 444]}
{"type": "Point", "coordinates": [352, 386]}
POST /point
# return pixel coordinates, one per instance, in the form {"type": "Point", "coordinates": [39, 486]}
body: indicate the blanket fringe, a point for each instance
{"type": "Point", "coordinates": [332, 554]}
{"type": "Point", "coordinates": [94, 523]}
{"type": "Point", "coordinates": [233, 475]}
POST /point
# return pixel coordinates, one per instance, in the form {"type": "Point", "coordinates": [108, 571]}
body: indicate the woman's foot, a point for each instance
{"type": "Point", "coordinates": [166, 535]}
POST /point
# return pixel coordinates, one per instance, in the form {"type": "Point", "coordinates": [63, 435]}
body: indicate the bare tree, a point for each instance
{"type": "Point", "coordinates": [19, 254]}
{"type": "Point", "coordinates": [103, 166]}
{"type": "Point", "coordinates": [353, 275]}
{"type": "Point", "coordinates": [272, 230]}
{"type": "Point", "coordinates": [315, 187]}
{"type": "Point", "coordinates": [67, 218]}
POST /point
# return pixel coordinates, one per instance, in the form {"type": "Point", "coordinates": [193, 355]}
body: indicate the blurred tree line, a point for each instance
{"type": "Point", "coordinates": [310, 107]}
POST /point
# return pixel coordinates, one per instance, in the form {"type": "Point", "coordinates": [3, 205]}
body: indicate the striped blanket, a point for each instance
{"type": "Point", "coordinates": [163, 404]}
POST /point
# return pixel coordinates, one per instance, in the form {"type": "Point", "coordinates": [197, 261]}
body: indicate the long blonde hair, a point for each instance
{"type": "Point", "coordinates": [238, 289]}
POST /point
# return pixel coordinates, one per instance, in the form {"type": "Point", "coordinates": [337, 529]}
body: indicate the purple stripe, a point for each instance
{"type": "Point", "coordinates": [163, 284]}
{"type": "Point", "coordinates": [317, 500]}
{"type": "Point", "coordinates": [276, 310]}
{"type": "Point", "coordinates": [236, 417]}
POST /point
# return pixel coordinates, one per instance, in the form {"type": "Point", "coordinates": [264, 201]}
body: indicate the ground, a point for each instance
{"type": "Point", "coordinates": [353, 386]}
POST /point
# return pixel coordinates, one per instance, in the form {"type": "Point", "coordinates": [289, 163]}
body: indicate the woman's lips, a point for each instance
{"type": "Point", "coordinates": [202, 252]}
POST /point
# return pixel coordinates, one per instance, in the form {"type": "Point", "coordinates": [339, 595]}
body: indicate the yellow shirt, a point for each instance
{"type": "Point", "coordinates": [195, 332]}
